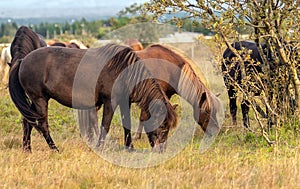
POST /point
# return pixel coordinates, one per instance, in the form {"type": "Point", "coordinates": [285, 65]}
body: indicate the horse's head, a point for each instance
{"type": "Point", "coordinates": [165, 116]}
{"type": "Point", "coordinates": [206, 112]}
{"type": "Point", "coordinates": [170, 122]}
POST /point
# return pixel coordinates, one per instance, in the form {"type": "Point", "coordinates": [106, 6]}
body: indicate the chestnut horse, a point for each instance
{"type": "Point", "coordinates": [82, 79]}
{"type": "Point", "coordinates": [177, 74]}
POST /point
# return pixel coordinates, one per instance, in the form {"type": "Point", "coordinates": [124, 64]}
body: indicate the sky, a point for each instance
{"type": "Point", "coordinates": [56, 8]}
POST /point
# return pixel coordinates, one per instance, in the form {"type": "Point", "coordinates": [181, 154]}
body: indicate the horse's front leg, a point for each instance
{"type": "Point", "coordinates": [232, 104]}
{"type": "Point", "coordinates": [138, 134]}
{"type": "Point", "coordinates": [126, 122]}
{"type": "Point", "coordinates": [108, 113]}
{"type": "Point", "coordinates": [27, 128]}
{"type": "Point", "coordinates": [139, 131]}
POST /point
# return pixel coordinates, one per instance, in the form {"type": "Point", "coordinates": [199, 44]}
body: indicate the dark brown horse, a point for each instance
{"type": "Point", "coordinates": [232, 70]}
{"type": "Point", "coordinates": [85, 78]}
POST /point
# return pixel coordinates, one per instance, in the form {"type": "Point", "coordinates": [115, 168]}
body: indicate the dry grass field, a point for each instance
{"type": "Point", "coordinates": [237, 159]}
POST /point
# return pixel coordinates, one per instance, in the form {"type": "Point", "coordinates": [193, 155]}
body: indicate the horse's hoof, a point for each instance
{"type": "Point", "coordinates": [137, 137]}
{"type": "Point", "coordinates": [130, 148]}
{"type": "Point", "coordinates": [27, 149]}
{"type": "Point", "coordinates": [100, 147]}
{"type": "Point", "coordinates": [54, 149]}
{"type": "Point", "coordinates": [159, 148]}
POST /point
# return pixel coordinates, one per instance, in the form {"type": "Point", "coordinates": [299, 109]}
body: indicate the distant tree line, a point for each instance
{"type": "Point", "coordinates": [97, 29]}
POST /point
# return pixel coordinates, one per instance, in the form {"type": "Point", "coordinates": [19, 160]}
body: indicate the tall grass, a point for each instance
{"type": "Point", "coordinates": [236, 160]}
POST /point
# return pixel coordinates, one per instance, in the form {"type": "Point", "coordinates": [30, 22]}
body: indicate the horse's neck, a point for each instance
{"type": "Point", "coordinates": [190, 96]}
{"type": "Point", "coordinates": [189, 88]}
{"type": "Point", "coordinates": [146, 92]}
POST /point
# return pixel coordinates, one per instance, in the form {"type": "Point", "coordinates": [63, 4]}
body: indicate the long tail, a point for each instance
{"type": "Point", "coordinates": [24, 42]}
{"type": "Point", "coordinates": [18, 94]}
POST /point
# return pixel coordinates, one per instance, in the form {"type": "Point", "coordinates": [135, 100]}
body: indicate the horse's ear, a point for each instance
{"type": "Point", "coordinates": [9, 64]}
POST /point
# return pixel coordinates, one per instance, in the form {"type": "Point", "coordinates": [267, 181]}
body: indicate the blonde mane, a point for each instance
{"type": "Point", "coordinates": [192, 83]}
{"type": "Point", "coordinates": [188, 78]}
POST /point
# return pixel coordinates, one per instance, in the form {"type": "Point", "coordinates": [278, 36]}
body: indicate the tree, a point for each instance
{"type": "Point", "coordinates": [133, 22]}
{"type": "Point", "coordinates": [274, 22]}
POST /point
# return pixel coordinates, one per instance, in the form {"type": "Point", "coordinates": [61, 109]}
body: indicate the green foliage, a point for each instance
{"type": "Point", "coordinates": [6, 39]}
{"type": "Point", "coordinates": [275, 23]}
{"type": "Point", "coordinates": [194, 26]}
{"type": "Point", "coordinates": [8, 29]}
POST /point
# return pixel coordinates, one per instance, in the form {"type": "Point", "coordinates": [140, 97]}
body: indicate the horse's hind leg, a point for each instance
{"type": "Point", "coordinates": [245, 112]}
{"type": "Point", "coordinates": [27, 128]}
{"type": "Point", "coordinates": [271, 118]}
{"type": "Point", "coordinates": [41, 107]}
{"type": "Point", "coordinates": [232, 103]}
{"type": "Point", "coordinates": [44, 129]}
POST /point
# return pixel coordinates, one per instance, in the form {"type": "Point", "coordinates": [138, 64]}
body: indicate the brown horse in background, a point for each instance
{"type": "Point", "coordinates": [71, 44]}
{"type": "Point", "coordinates": [134, 44]}
{"type": "Point", "coordinates": [84, 78]}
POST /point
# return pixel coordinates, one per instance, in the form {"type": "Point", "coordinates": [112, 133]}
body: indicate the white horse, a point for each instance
{"type": "Point", "coordinates": [4, 67]}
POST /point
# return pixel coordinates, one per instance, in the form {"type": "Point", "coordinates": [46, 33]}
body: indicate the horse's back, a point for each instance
{"type": "Point", "coordinates": [158, 51]}
{"type": "Point", "coordinates": [51, 71]}
{"type": "Point", "coordinates": [66, 75]}
{"type": "Point", "coordinates": [248, 45]}
{"type": "Point", "coordinates": [173, 59]}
